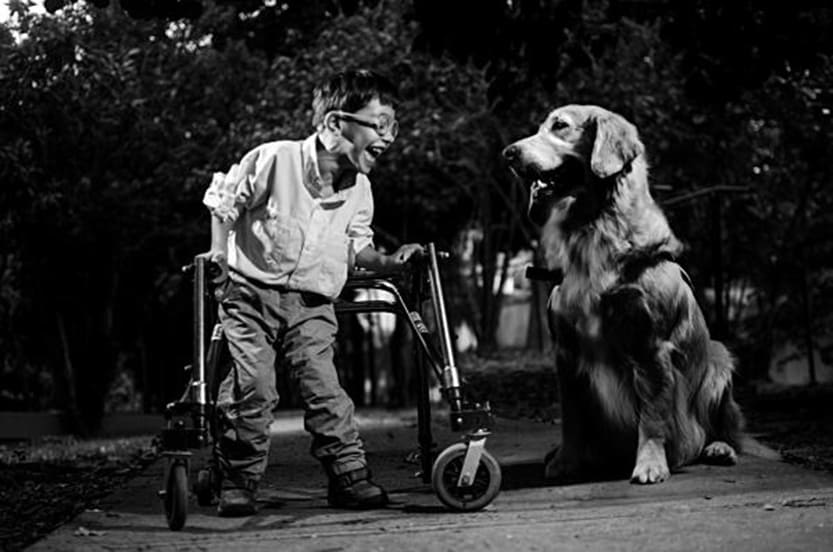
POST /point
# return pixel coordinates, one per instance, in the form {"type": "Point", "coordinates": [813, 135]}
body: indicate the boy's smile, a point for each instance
{"type": "Point", "coordinates": [364, 141]}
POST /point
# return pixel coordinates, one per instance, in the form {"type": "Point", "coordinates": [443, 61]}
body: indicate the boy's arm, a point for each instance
{"type": "Point", "coordinates": [218, 253]}
{"type": "Point", "coordinates": [371, 259]}
{"type": "Point", "coordinates": [219, 235]}
{"type": "Point", "coordinates": [361, 234]}
{"type": "Point", "coordinates": [228, 195]}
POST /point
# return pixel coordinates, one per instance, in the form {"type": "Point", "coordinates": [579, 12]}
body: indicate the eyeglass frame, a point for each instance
{"type": "Point", "coordinates": [382, 130]}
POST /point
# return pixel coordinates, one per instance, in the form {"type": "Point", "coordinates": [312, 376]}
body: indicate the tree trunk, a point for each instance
{"type": "Point", "coordinates": [76, 421]}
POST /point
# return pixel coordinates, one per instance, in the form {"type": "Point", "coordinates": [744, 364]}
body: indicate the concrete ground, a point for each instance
{"type": "Point", "coordinates": [760, 504]}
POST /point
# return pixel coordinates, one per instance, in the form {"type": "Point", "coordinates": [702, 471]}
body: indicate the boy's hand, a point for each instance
{"type": "Point", "coordinates": [405, 253]}
{"type": "Point", "coordinates": [371, 259]}
{"type": "Point", "coordinates": [217, 265]}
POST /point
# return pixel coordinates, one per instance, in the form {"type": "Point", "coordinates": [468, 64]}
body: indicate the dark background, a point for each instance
{"type": "Point", "coordinates": [114, 115]}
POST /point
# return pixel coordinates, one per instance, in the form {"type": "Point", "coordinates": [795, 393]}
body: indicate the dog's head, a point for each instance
{"type": "Point", "coordinates": [575, 151]}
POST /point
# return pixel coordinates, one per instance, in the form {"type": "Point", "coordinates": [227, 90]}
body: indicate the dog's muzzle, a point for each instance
{"type": "Point", "coordinates": [511, 153]}
{"type": "Point", "coordinates": [518, 163]}
{"type": "Point", "coordinates": [556, 179]}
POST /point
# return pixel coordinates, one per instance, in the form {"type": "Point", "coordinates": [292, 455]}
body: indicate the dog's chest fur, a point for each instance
{"type": "Point", "coordinates": [589, 263]}
{"type": "Point", "coordinates": [590, 270]}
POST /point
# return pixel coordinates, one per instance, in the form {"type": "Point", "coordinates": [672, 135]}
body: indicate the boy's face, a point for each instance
{"type": "Point", "coordinates": [364, 142]}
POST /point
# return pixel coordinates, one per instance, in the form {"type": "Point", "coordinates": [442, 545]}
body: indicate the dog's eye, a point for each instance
{"type": "Point", "coordinates": [559, 124]}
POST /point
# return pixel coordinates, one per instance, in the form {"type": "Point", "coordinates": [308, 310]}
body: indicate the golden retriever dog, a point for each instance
{"type": "Point", "coordinates": [644, 389]}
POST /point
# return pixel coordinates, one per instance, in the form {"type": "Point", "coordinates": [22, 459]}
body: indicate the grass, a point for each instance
{"type": "Point", "coordinates": [67, 449]}
{"type": "Point", "coordinates": [46, 483]}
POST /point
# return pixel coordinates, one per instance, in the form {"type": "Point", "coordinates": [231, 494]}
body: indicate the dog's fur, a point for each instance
{"type": "Point", "coordinates": [643, 387]}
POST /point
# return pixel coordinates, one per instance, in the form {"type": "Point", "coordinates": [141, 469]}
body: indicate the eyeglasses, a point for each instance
{"type": "Point", "coordinates": [382, 124]}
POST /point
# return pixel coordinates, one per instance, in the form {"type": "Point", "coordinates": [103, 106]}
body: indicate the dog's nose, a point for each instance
{"type": "Point", "coordinates": [511, 153]}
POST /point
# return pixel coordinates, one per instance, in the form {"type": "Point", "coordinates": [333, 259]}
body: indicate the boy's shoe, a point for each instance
{"type": "Point", "coordinates": [236, 502]}
{"type": "Point", "coordinates": [355, 490]}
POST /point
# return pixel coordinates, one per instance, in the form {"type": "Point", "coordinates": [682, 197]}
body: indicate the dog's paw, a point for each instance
{"type": "Point", "coordinates": [719, 453]}
{"type": "Point", "coordinates": [559, 467]}
{"type": "Point", "coordinates": [651, 465]}
{"type": "Point", "coordinates": [650, 472]}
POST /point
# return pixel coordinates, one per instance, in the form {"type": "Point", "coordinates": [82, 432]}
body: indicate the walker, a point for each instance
{"type": "Point", "coordinates": [464, 476]}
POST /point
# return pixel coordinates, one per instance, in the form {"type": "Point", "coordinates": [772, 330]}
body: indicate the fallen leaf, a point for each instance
{"type": "Point", "coordinates": [84, 532]}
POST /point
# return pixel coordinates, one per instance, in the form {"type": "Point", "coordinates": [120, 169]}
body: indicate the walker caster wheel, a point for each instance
{"type": "Point", "coordinates": [204, 487]}
{"type": "Point", "coordinates": [175, 497]}
{"type": "Point", "coordinates": [446, 474]}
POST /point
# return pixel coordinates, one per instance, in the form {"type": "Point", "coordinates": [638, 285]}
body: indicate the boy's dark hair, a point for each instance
{"type": "Point", "coordinates": [351, 91]}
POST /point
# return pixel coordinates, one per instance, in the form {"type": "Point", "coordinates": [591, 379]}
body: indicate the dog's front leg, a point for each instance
{"type": "Point", "coordinates": [563, 463]}
{"type": "Point", "coordinates": [654, 383]}
{"type": "Point", "coordinates": [651, 463]}
{"type": "Point", "coordinates": [629, 326]}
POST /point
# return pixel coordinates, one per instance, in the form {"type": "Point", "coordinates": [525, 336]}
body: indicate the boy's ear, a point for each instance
{"type": "Point", "coordinates": [330, 122]}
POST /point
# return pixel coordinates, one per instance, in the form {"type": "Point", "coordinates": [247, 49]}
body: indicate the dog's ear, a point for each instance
{"type": "Point", "coordinates": [616, 144]}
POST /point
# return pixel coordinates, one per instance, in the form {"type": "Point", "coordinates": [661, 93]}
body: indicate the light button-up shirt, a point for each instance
{"type": "Point", "coordinates": [283, 234]}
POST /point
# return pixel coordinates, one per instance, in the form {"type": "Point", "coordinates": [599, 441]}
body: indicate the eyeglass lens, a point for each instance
{"type": "Point", "coordinates": [387, 124]}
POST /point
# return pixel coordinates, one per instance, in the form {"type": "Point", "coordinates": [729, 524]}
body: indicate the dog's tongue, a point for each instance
{"type": "Point", "coordinates": [538, 185]}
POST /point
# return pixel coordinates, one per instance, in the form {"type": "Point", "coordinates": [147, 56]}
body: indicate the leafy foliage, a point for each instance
{"type": "Point", "coordinates": [112, 120]}
{"type": "Point", "coordinates": [109, 135]}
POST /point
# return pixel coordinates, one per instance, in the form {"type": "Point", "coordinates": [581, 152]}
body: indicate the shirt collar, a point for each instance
{"type": "Point", "coordinates": [312, 174]}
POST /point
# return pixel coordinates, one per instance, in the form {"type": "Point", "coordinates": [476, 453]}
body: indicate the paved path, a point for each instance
{"type": "Point", "coordinates": [761, 504]}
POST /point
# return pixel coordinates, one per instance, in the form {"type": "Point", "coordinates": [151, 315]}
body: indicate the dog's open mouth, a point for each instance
{"type": "Point", "coordinates": [559, 181]}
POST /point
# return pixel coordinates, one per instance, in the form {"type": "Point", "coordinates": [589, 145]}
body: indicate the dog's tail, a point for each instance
{"type": "Point", "coordinates": [723, 416]}
{"type": "Point", "coordinates": [750, 445]}
{"type": "Point", "coordinates": [718, 411]}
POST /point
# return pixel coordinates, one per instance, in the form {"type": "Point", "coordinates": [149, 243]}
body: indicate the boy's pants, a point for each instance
{"type": "Point", "coordinates": [260, 323]}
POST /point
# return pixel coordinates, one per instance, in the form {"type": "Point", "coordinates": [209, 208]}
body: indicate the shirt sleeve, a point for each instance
{"type": "Point", "coordinates": [359, 231]}
{"type": "Point", "coordinates": [241, 187]}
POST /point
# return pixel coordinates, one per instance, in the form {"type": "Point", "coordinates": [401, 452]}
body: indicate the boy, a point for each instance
{"type": "Point", "coordinates": [288, 221]}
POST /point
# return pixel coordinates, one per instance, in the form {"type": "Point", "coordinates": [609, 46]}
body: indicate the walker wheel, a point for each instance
{"type": "Point", "coordinates": [176, 495]}
{"type": "Point", "coordinates": [446, 473]}
{"type": "Point", "coordinates": [204, 487]}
